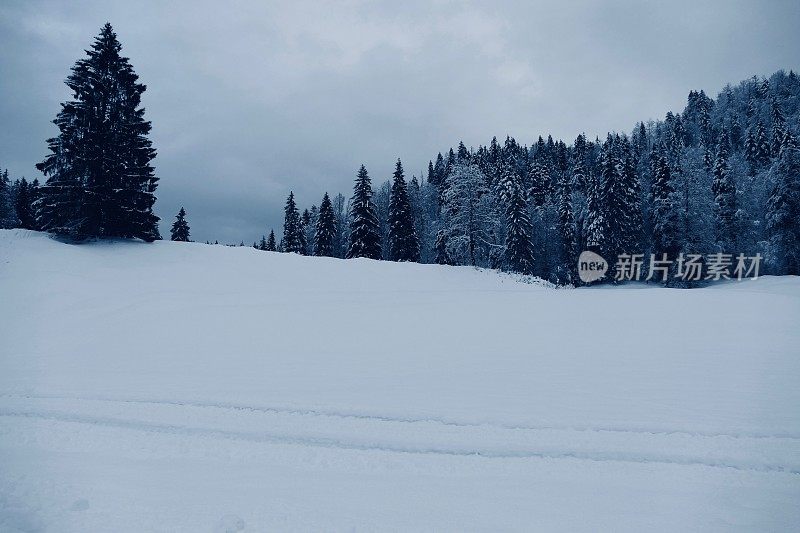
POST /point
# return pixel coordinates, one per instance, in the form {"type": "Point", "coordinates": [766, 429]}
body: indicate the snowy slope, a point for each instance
{"type": "Point", "coordinates": [186, 387]}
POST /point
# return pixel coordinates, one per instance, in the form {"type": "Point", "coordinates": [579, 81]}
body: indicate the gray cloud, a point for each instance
{"type": "Point", "coordinates": [249, 100]}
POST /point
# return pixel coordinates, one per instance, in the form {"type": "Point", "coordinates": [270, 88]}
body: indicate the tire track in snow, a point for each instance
{"type": "Point", "coordinates": [400, 420]}
{"type": "Point", "coordinates": [342, 444]}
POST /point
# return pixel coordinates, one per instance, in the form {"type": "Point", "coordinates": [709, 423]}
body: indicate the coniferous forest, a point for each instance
{"type": "Point", "coordinates": [720, 176]}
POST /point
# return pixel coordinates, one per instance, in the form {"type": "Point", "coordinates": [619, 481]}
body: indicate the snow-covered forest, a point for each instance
{"type": "Point", "coordinates": [719, 176]}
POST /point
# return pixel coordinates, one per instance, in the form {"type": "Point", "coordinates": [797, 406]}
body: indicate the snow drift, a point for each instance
{"type": "Point", "coordinates": [188, 387]}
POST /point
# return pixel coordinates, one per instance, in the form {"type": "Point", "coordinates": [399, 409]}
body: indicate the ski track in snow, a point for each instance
{"type": "Point", "coordinates": [398, 419]}
{"type": "Point", "coordinates": [345, 431]}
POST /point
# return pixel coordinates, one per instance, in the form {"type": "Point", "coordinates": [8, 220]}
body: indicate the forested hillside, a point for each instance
{"type": "Point", "coordinates": [719, 176]}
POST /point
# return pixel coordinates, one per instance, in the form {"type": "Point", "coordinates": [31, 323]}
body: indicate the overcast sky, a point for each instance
{"type": "Point", "coordinates": [251, 99]}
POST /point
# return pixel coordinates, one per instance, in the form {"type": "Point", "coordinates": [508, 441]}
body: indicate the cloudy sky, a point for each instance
{"type": "Point", "coordinates": [251, 99]}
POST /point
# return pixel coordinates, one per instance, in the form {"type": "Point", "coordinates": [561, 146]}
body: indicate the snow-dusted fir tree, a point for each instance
{"type": "Point", "coordinates": [759, 149]}
{"type": "Point", "coordinates": [309, 219]}
{"type": "Point", "coordinates": [100, 180]}
{"type": "Point", "coordinates": [180, 228]}
{"type": "Point", "coordinates": [630, 203]}
{"type": "Point", "coordinates": [665, 222]}
{"type": "Point", "coordinates": [538, 180]}
{"type": "Point", "coordinates": [365, 239]}
{"type": "Point", "coordinates": [293, 237]}
{"type": "Point", "coordinates": [262, 244]}
{"type": "Point", "coordinates": [519, 251]}
{"type": "Point", "coordinates": [595, 226]}
{"type": "Point", "coordinates": [271, 244]}
{"type": "Point", "coordinates": [619, 200]}
{"type": "Point", "coordinates": [723, 189]}
{"type": "Point", "coordinates": [783, 211]}
{"type": "Point", "coordinates": [778, 128]}
{"type": "Point", "coordinates": [403, 241]}
{"type": "Point", "coordinates": [325, 232]}
{"type": "Point", "coordinates": [566, 227]}
{"type": "Point", "coordinates": [340, 209]}
{"type": "Point", "coordinates": [23, 204]}
{"type": "Point", "coordinates": [8, 216]}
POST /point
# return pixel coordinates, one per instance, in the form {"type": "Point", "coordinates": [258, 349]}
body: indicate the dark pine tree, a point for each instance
{"type": "Point", "coordinates": [262, 244]}
{"type": "Point", "coordinates": [100, 180]}
{"type": "Point", "coordinates": [365, 239]}
{"type": "Point", "coordinates": [325, 232]}
{"type": "Point", "coordinates": [271, 245]}
{"type": "Point", "coordinates": [664, 214]}
{"type": "Point", "coordinates": [293, 235]}
{"type": "Point", "coordinates": [403, 241]}
{"type": "Point", "coordinates": [24, 205]}
{"type": "Point", "coordinates": [723, 189]}
{"type": "Point", "coordinates": [8, 217]}
{"type": "Point", "coordinates": [519, 250]}
{"type": "Point", "coordinates": [180, 228]}
{"type": "Point", "coordinates": [566, 228]}
{"type": "Point", "coordinates": [783, 212]}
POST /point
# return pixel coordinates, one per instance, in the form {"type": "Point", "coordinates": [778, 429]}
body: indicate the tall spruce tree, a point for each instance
{"type": "Point", "coordinates": [23, 204]}
{"type": "Point", "coordinates": [180, 228]}
{"type": "Point", "coordinates": [403, 241]}
{"type": "Point", "coordinates": [325, 233]}
{"type": "Point", "coordinates": [723, 189]}
{"type": "Point", "coordinates": [665, 221]}
{"type": "Point", "coordinates": [566, 229]}
{"type": "Point", "coordinates": [783, 212]}
{"type": "Point", "coordinates": [519, 250]}
{"type": "Point", "coordinates": [614, 210]}
{"type": "Point", "coordinates": [293, 235]}
{"type": "Point", "coordinates": [271, 244]}
{"type": "Point", "coordinates": [100, 180]}
{"type": "Point", "coordinates": [8, 217]}
{"type": "Point", "coordinates": [365, 239]}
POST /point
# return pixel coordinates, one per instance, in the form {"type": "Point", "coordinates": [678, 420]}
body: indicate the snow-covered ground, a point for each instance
{"type": "Point", "coordinates": [186, 387]}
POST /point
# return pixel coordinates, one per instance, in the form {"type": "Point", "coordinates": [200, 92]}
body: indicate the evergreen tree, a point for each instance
{"type": "Point", "coordinates": [762, 148]}
{"type": "Point", "coordinates": [778, 128]}
{"type": "Point", "coordinates": [8, 218]}
{"type": "Point", "coordinates": [403, 241]}
{"type": "Point", "coordinates": [293, 236]}
{"type": "Point", "coordinates": [271, 245]}
{"type": "Point", "coordinates": [783, 212]}
{"type": "Point", "coordinates": [595, 227]}
{"type": "Point", "coordinates": [664, 213]}
{"type": "Point", "coordinates": [724, 191]}
{"type": "Point", "coordinates": [365, 239]}
{"type": "Point", "coordinates": [519, 251]}
{"type": "Point", "coordinates": [325, 233]}
{"type": "Point", "coordinates": [23, 204]}
{"type": "Point", "coordinates": [630, 203]}
{"type": "Point", "coordinates": [566, 228]}
{"type": "Point", "coordinates": [101, 182]}
{"type": "Point", "coordinates": [262, 244]}
{"type": "Point", "coordinates": [619, 200]}
{"type": "Point", "coordinates": [180, 228]}
{"type": "Point", "coordinates": [538, 179]}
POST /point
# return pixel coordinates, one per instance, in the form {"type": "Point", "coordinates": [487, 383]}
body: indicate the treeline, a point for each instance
{"type": "Point", "coordinates": [721, 176]}
{"type": "Point", "coordinates": [17, 202]}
